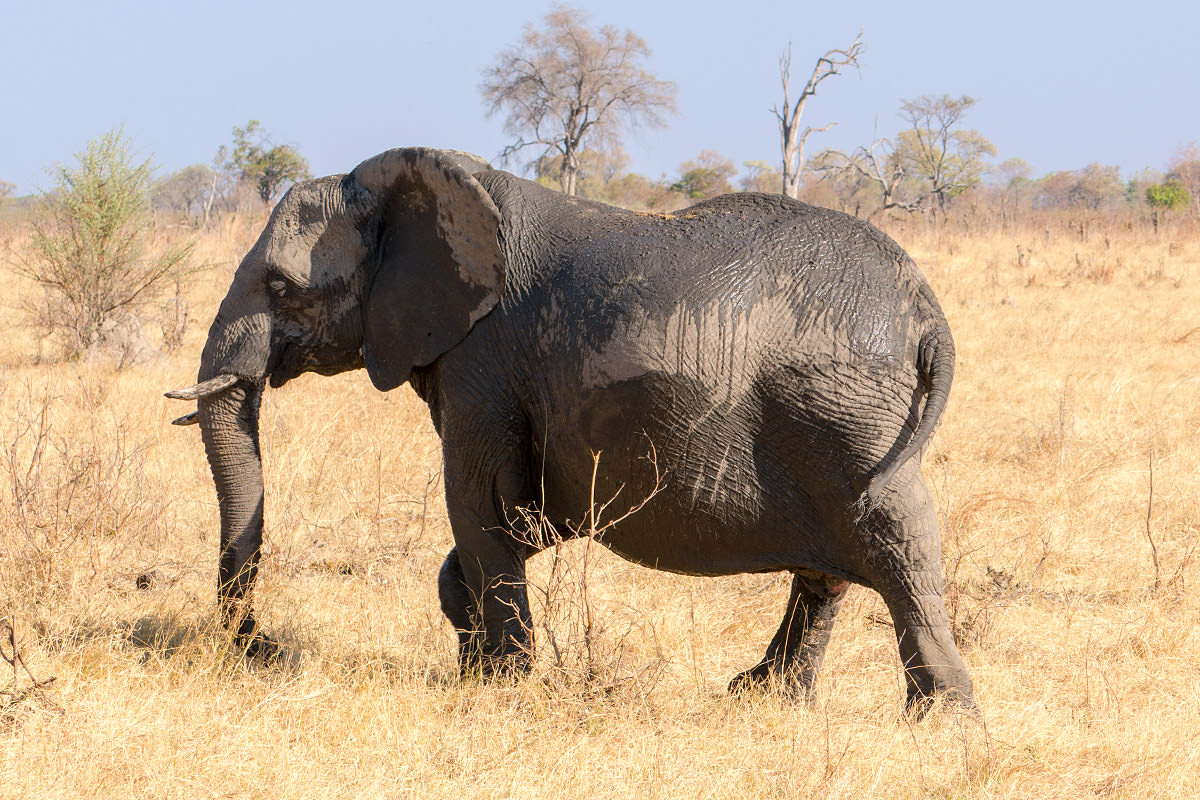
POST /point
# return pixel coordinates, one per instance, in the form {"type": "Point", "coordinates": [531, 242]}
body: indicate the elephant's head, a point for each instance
{"type": "Point", "coordinates": [387, 267]}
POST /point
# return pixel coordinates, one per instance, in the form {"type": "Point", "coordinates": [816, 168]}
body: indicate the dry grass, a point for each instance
{"type": "Point", "coordinates": [1078, 373]}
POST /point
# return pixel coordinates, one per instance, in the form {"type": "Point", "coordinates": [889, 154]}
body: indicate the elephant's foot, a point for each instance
{"type": "Point", "coordinates": [934, 673]}
{"type": "Point", "coordinates": [494, 669]}
{"type": "Point", "coordinates": [260, 647]}
{"type": "Point", "coordinates": [767, 677]}
{"type": "Point", "coordinates": [794, 656]}
{"type": "Point", "coordinates": [477, 660]}
{"type": "Point", "coordinates": [755, 679]}
{"type": "Point", "coordinates": [253, 644]}
{"type": "Point", "coordinates": [920, 701]}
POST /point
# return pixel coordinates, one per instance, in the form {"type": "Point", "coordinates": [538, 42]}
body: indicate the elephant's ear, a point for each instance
{"type": "Point", "coordinates": [439, 267]}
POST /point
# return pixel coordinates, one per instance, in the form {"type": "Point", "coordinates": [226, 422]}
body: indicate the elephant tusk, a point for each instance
{"type": "Point", "coordinates": [187, 419]}
{"type": "Point", "coordinates": [208, 388]}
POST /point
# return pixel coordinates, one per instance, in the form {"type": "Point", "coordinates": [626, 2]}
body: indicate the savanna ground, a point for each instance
{"type": "Point", "coordinates": [1064, 475]}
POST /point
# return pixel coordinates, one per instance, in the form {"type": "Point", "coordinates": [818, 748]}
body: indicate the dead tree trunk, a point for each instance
{"type": "Point", "coordinates": [792, 138]}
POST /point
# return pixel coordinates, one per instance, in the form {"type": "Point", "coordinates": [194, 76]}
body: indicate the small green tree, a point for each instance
{"type": "Point", "coordinates": [269, 168]}
{"type": "Point", "coordinates": [89, 243]}
{"type": "Point", "coordinates": [760, 176]}
{"type": "Point", "coordinates": [1168, 196]}
{"type": "Point", "coordinates": [707, 176]}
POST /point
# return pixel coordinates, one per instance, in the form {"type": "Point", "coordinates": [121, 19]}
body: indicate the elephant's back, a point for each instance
{"type": "Point", "coordinates": [719, 292]}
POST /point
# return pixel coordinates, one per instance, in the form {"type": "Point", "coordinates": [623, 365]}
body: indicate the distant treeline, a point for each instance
{"type": "Point", "coordinates": [1006, 193]}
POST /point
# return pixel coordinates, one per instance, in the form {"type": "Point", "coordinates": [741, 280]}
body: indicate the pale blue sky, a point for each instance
{"type": "Point", "coordinates": [1060, 84]}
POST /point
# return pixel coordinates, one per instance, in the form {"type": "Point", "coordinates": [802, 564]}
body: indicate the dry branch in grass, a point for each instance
{"type": "Point", "coordinates": [16, 701]}
{"type": "Point", "coordinates": [75, 498]}
{"type": "Point", "coordinates": [13, 659]}
{"type": "Point", "coordinates": [568, 618]}
{"type": "Point", "coordinates": [1149, 532]}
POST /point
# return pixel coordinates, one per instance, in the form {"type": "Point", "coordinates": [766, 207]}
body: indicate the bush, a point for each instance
{"type": "Point", "coordinates": [89, 243]}
{"type": "Point", "coordinates": [707, 176]}
{"type": "Point", "coordinates": [1170, 195]}
{"type": "Point", "coordinates": [255, 161]}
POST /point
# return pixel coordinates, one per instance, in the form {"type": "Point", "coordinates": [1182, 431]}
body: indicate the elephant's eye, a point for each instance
{"type": "Point", "coordinates": [278, 287]}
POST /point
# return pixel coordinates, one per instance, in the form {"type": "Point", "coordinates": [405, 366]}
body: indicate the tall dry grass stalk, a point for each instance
{"type": "Point", "coordinates": [1078, 364]}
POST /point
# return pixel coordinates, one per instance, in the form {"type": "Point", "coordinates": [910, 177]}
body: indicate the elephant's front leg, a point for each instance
{"type": "Point", "coordinates": [495, 629]}
{"type": "Point", "coordinates": [482, 583]}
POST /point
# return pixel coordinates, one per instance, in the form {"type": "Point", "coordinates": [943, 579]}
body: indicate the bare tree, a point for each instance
{"type": "Point", "coordinates": [935, 148]}
{"type": "Point", "coordinates": [568, 84]}
{"type": "Point", "coordinates": [794, 139]}
{"type": "Point", "coordinates": [188, 191]}
{"type": "Point", "coordinates": [596, 168]}
{"type": "Point", "coordinates": [878, 166]}
{"type": "Point", "coordinates": [1089, 188]}
{"type": "Point", "coordinates": [761, 176]}
{"type": "Point", "coordinates": [929, 162]}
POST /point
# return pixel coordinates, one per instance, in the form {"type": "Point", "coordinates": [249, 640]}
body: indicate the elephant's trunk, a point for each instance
{"type": "Point", "coordinates": [233, 367]}
{"type": "Point", "coordinates": [229, 428]}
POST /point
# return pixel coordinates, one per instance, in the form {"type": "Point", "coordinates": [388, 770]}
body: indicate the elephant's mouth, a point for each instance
{"type": "Point", "coordinates": [291, 359]}
{"type": "Point", "coordinates": [285, 363]}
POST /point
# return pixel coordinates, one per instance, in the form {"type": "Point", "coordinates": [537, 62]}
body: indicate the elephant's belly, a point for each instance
{"type": "Point", "coordinates": [686, 544]}
{"type": "Point", "coordinates": [683, 483]}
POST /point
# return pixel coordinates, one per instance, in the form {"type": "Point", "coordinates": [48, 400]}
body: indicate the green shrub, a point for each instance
{"type": "Point", "coordinates": [1170, 195]}
{"type": "Point", "coordinates": [89, 247]}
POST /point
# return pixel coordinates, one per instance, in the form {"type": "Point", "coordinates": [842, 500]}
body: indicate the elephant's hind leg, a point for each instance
{"type": "Point", "coordinates": [794, 656]}
{"type": "Point", "coordinates": [905, 559]}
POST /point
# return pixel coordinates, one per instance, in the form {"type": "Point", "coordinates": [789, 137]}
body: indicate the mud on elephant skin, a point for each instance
{"type": "Point", "coordinates": [786, 365]}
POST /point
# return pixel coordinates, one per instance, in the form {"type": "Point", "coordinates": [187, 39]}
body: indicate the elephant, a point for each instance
{"type": "Point", "coordinates": [746, 384]}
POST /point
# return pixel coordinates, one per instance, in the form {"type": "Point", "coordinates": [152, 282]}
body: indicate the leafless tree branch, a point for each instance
{"type": "Point", "coordinates": [567, 85]}
{"type": "Point", "coordinates": [793, 140]}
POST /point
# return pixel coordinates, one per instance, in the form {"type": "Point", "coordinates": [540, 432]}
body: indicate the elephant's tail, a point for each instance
{"type": "Point", "coordinates": [935, 360]}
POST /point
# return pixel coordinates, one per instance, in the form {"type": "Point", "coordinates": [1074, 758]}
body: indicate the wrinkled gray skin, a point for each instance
{"type": "Point", "coordinates": [773, 367]}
